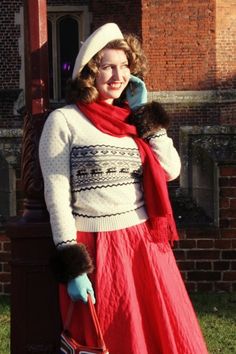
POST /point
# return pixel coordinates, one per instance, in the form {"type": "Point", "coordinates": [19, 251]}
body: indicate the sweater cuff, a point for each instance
{"type": "Point", "coordinates": [71, 261]}
{"type": "Point", "coordinates": [160, 132]}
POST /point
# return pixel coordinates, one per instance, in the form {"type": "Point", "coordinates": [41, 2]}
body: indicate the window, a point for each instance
{"type": "Point", "coordinates": [67, 27]}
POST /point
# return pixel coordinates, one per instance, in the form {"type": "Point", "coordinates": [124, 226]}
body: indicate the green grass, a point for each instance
{"type": "Point", "coordinates": [217, 317]}
{"type": "Point", "coordinates": [216, 314]}
{"type": "Point", "coordinates": [4, 325]}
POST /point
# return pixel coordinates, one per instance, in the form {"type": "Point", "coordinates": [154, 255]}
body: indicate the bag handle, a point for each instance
{"type": "Point", "coordinates": [96, 323]}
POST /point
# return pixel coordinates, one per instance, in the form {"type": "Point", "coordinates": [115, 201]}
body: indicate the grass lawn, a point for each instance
{"type": "Point", "coordinates": [217, 317]}
{"type": "Point", "coordinates": [4, 325]}
{"type": "Point", "coordinates": [216, 313]}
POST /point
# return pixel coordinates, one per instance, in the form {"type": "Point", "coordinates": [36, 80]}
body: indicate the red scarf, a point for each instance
{"type": "Point", "coordinates": [112, 120]}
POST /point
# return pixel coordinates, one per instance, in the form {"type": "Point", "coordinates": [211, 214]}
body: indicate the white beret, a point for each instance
{"type": "Point", "coordinates": [94, 43]}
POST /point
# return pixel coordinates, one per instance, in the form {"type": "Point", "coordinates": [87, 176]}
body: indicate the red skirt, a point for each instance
{"type": "Point", "coordinates": [141, 301]}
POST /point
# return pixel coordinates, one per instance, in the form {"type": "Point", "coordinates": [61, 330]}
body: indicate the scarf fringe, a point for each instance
{"type": "Point", "coordinates": [163, 229]}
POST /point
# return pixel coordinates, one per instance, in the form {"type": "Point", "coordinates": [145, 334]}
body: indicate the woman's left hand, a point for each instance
{"type": "Point", "coordinates": [79, 287]}
{"type": "Point", "coordinates": [136, 92]}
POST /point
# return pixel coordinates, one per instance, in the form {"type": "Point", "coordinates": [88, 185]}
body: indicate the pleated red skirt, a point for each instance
{"type": "Point", "coordinates": [141, 300]}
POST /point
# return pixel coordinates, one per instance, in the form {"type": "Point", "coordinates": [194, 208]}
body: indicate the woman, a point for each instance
{"type": "Point", "coordinates": [105, 189]}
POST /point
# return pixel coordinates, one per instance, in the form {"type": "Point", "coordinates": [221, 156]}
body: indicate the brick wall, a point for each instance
{"type": "Point", "coordinates": [10, 62]}
{"type": "Point", "coordinates": [191, 46]}
{"type": "Point", "coordinates": [179, 39]}
{"type": "Point", "coordinates": [225, 55]}
{"type": "Point", "coordinates": [185, 114]}
{"type": "Point", "coordinates": [5, 273]}
{"type": "Point", "coordinates": [227, 199]}
{"type": "Point", "coordinates": [226, 43]}
{"type": "Point", "coordinates": [9, 57]}
{"type": "Point", "coordinates": [207, 257]}
{"type": "Point", "coordinates": [127, 14]}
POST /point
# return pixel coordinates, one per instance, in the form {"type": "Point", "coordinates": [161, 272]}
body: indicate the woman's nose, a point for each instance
{"type": "Point", "coordinates": [117, 73]}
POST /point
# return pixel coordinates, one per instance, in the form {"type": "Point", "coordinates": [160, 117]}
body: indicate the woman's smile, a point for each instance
{"type": "Point", "coordinates": [115, 85]}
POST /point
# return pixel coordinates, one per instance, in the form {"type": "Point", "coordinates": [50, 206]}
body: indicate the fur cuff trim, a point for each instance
{"type": "Point", "coordinates": [149, 118]}
{"type": "Point", "coordinates": [71, 261]}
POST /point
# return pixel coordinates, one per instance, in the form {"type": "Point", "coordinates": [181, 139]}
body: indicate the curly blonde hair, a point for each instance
{"type": "Point", "coordinates": [83, 87]}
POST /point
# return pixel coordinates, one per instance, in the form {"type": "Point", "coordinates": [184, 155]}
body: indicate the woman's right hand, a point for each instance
{"type": "Point", "coordinates": [136, 92]}
{"type": "Point", "coordinates": [79, 287]}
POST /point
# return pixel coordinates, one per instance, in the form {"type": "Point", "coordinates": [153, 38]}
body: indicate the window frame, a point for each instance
{"type": "Point", "coordinates": [55, 13]}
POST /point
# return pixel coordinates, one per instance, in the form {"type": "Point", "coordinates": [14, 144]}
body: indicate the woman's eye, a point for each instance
{"type": "Point", "coordinates": [107, 67]}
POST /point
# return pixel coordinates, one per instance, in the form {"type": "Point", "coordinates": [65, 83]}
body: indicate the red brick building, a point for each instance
{"type": "Point", "coordinates": [191, 50]}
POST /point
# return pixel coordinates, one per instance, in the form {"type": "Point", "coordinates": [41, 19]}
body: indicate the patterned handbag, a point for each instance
{"type": "Point", "coordinates": [69, 346]}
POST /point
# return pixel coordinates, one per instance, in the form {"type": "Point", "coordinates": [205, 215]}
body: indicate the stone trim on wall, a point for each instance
{"type": "Point", "coordinates": [10, 159]}
{"type": "Point", "coordinates": [202, 150]}
{"type": "Point", "coordinates": [11, 133]}
{"type": "Point", "coordinates": [192, 97]}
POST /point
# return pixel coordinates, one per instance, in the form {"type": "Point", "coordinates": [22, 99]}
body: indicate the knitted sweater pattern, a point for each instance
{"type": "Point", "coordinates": [93, 181]}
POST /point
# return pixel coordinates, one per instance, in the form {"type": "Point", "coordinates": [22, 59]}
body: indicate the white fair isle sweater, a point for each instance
{"type": "Point", "coordinates": [92, 181]}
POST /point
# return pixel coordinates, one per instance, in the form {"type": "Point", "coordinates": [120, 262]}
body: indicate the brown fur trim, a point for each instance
{"type": "Point", "coordinates": [71, 261]}
{"type": "Point", "coordinates": [149, 118]}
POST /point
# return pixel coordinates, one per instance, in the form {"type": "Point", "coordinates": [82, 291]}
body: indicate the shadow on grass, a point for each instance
{"type": "Point", "coordinates": [218, 303]}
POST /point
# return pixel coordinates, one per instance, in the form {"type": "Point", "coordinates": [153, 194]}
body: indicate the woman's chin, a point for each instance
{"type": "Point", "coordinates": [116, 95]}
{"type": "Point", "coordinates": [112, 97]}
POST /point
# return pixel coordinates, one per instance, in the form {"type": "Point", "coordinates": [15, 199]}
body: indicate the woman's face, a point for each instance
{"type": "Point", "coordinates": [113, 74]}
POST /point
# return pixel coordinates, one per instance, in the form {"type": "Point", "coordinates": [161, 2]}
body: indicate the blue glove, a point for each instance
{"type": "Point", "coordinates": [79, 287]}
{"type": "Point", "coordinates": [136, 92]}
